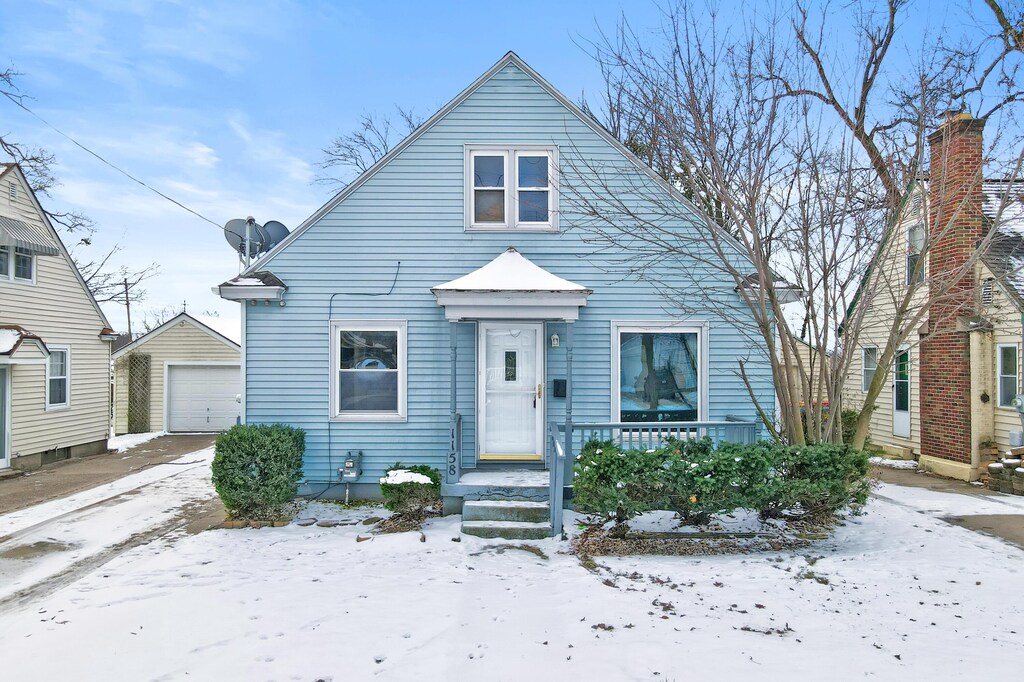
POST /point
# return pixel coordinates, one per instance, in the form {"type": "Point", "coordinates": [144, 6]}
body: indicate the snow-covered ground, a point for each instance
{"type": "Point", "coordinates": [57, 541]}
{"type": "Point", "coordinates": [893, 463]}
{"type": "Point", "coordinates": [130, 440]}
{"type": "Point", "coordinates": [896, 594]}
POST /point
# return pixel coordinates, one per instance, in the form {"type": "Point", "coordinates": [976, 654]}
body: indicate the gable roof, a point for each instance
{"type": "Point", "coordinates": [510, 58]}
{"type": "Point", "coordinates": [1002, 206]}
{"type": "Point", "coordinates": [55, 236]}
{"type": "Point", "coordinates": [12, 336]}
{"type": "Point", "coordinates": [170, 324]}
{"type": "Point", "coordinates": [1005, 253]}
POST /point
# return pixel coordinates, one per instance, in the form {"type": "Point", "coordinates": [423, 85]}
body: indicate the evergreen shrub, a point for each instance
{"type": "Point", "coordinates": [257, 468]}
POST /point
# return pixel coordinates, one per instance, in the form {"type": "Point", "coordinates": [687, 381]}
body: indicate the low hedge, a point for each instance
{"type": "Point", "coordinates": [697, 480]}
{"type": "Point", "coordinates": [411, 497]}
{"type": "Point", "coordinates": [257, 468]}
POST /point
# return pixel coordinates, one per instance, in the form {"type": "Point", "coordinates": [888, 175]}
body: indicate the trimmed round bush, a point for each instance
{"type": "Point", "coordinates": [411, 489]}
{"type": "Point", "coordinates": [257, 468]}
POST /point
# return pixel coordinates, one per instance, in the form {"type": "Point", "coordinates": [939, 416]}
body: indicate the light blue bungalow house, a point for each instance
{"type": "Point", "coordinates": [455, 306]}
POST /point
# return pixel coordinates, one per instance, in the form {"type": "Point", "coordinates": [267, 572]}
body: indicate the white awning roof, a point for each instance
{"type": "Point", "coordinates": [511, 271]}
{"type": "Point", "coordinates": [511, 287]}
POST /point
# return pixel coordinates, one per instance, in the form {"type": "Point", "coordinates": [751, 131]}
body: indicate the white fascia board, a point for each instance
{"type": "Point", "coordinates": [249, 293]}
{"type": "Point", "coordinates": [464, 305]}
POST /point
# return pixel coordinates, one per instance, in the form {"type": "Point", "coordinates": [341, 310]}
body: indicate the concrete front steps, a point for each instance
{"type": "Point", "coordinates": [506, 519]}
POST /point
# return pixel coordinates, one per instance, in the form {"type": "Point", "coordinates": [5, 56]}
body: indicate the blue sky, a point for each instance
{"type": "Point", "coordinates": [225, 106]}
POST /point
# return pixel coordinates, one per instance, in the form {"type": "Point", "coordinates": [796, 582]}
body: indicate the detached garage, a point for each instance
{"type": "Point", "coordinates": [183, 376]}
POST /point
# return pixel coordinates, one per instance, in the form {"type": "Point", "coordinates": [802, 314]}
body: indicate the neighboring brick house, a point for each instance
{"type": "Point", "coordinates": [953, 384]}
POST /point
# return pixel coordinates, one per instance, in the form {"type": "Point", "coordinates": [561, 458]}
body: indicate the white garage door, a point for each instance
{"type": "Point", "coordinates": [202, 398]}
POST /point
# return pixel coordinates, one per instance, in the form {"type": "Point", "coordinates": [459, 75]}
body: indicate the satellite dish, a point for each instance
{"type": "Point", "coordinates": [260, 240]}
{"type": "Point", "coordinates": [276, 232]}
{"type": "Point", "coordinates": [234, 233]}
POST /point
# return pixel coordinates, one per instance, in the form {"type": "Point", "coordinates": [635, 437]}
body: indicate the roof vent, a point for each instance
{"type": "Point", "coordinates": [986, 291]}
{"type": "Point", "coordinates": [12, 191]}
{"type": "Point", "coordinates": [915, 203]}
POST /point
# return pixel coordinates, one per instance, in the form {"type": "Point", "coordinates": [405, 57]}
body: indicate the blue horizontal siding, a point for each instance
{"type": "Point", "coordinates": [412, 212]}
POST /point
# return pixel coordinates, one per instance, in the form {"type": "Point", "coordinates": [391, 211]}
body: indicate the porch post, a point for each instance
{"type": "Point", "coordinates": [569, 455]}
{"type": "Point", "coordinates": [454, 447]}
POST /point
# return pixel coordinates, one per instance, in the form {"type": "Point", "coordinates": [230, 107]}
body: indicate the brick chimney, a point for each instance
{"type": "Point", "coordinates": [955, 225]}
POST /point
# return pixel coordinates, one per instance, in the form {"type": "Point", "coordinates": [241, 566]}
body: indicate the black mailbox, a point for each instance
{"type": "Point", "coordinates": [558, 388]}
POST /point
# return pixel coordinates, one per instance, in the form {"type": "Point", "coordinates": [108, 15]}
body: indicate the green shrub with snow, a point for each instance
{"type": "Point", "coordinates": [697, 480]}
{"type": "Point", "coordinates": [411, 489]}
{"type": "Point", "coordinates": [257, 468]}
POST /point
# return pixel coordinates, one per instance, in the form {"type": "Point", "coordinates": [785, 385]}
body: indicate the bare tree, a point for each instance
{"type": "Point", "coordinates": [106, 282]}
{"type": "Point", "coordinates": [801, 152]}
{"type": "Point", "coordinates": [352, 153]}
{"type": "Point", "coordinates": [154, 317]}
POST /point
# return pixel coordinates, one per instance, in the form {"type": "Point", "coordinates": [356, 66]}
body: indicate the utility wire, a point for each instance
{"type": "Point", "coordinates": [108, 163]}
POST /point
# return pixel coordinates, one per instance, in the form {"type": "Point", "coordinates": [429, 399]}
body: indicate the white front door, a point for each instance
{"type": "Point", "coordinates": [511, 392]}
{"type": "Point", "coordinates": [901, 394]}
{"type": "Point", "coordinates": [5, 417]}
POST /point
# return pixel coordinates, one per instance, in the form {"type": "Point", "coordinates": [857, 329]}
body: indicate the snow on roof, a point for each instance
{"type": "Point", "coordinates": [8, 340]}
{"type": "Point", "coordinates": [511, 271]}
{"type": "Point", "coordinates": [1003, 209]}
{"type": "Point", "coordinates": [230, 328]}
{"type": "Point", "coordinates": [1003, 204]}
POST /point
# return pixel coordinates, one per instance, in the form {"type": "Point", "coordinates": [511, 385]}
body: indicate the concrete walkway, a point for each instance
{"type": "Point", "coordinates": [71, 476]}
{"type": "Point", "coordinates": [1009, 527]}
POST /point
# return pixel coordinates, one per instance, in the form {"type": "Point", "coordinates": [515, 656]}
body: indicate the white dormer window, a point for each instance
{"type": "Point", "coordinates": [511, 188]}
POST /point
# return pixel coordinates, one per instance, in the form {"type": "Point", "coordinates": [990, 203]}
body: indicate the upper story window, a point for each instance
{"type": "Point", "coordinates": [915, 245]}
{"type": "Point", "coordinates": [19, 265]}
{"type": "Point", "coordinates": [511, 188]}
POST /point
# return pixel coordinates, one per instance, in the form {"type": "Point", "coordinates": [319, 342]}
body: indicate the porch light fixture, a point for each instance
{"type": "Point", "coordinates": [555, 341]}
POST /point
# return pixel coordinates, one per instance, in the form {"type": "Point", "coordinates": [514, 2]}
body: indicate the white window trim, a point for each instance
{"type": "Point", "coordinates": [701, 328]}
{"type": "Point", "coordinates": [66, 349]}
{"type": "Point", "coordinates": [863, 366]}
{"type": "Point", "coordinates": [1000, 375]}
{"type": "Point", "coordinates": [400, 326]}
{"type": "Point", "coordinates": [511, 153]}
{"type": "Point", "coordinates": [12, 255]}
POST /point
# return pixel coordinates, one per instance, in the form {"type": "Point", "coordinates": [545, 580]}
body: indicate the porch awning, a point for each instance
{"type": "Point", "coordinates": [18, 234]}
{"type": "Point", "coordinates": [20, 346]}
{"type": "Point", "coordinates": [511, 287]}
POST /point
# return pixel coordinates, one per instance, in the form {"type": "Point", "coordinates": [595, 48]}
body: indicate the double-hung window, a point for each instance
{"type": "Point", "coordinates": [58, 377]}
{"type": "Point", "coordinates": [368, 370]}
{"type": "Point", "coordinates": [511, 188]}
{"type": "Point", "coordinates": [869, 363]}
{"type": "Point", "coordinates": [17, 263]}
{"type": "Point", "coordinates": [1007, 374]}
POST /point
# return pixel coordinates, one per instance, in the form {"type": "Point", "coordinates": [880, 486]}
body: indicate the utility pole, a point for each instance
{"type": "Point", "coordinates": [128, 307]}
